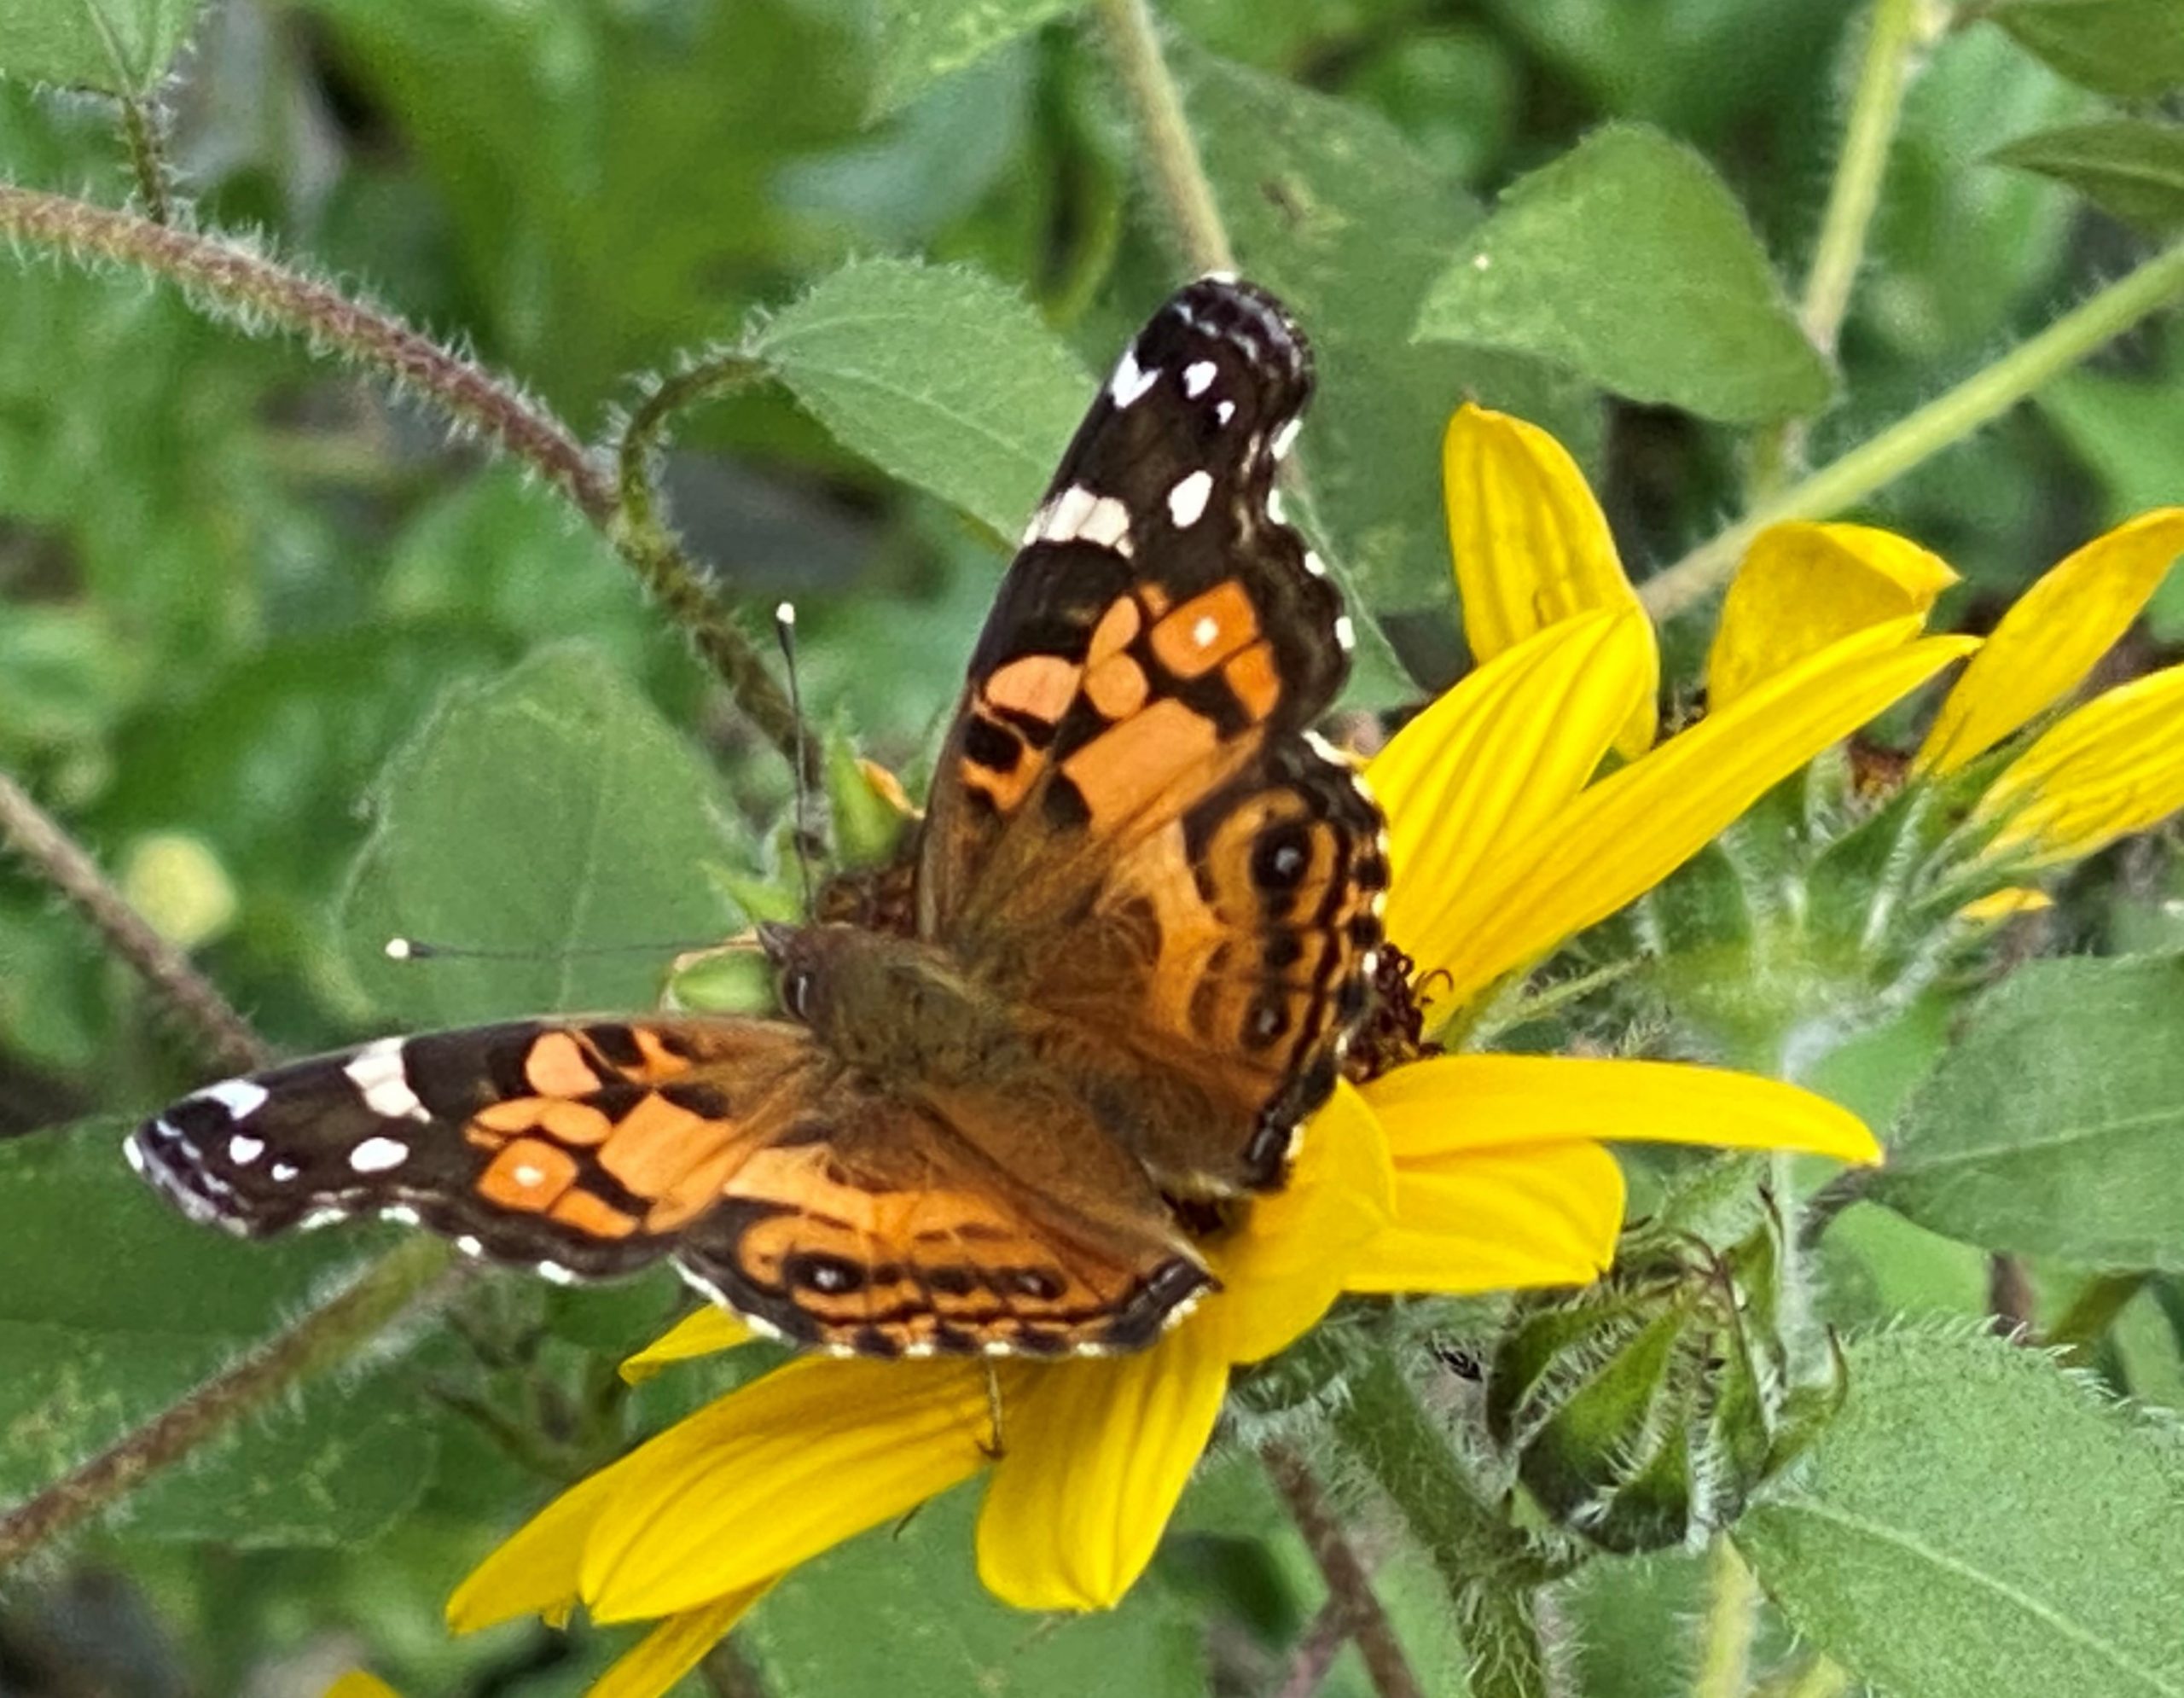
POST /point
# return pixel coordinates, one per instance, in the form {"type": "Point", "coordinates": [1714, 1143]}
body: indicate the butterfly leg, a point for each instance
{"type": "Point", "coordinates": [996, 1446]}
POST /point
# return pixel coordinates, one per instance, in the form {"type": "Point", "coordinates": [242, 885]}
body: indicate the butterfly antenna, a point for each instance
{"type": "Point", "coordinates": [416, 949]}
{"type": "Point", "coordinates": [785, 634]}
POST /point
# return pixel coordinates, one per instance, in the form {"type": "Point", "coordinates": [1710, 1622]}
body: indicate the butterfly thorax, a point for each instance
{"type": "Point", "coordinates": [896, 1007]}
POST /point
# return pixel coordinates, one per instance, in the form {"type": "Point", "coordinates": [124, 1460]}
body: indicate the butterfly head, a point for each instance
{"type": "Point", "coordinates": [885, 1003]}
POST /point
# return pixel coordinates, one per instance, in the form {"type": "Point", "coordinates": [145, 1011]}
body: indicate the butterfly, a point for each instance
{"type": "Point", "coordinates": [1143, 919]}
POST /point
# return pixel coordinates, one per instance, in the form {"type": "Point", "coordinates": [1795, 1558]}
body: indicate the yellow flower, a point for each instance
{"type": "Point", "coordinates": [2110, 767]}
{"type": "Point", "coordinates": [1457, 1173]}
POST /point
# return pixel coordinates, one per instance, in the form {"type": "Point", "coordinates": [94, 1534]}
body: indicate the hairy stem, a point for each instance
{"type": "Point", "coordinates": [1945, 420]}
{"type": "Point", "coordinates": [140, 130]}
{"type": "Point", "coordinates": [35, 835]}
{"type": "Point", "coordinates": [247, 287]}
{"type": "Point", "coordinates": [329, 1333]}
{"type": "Point", "coordinates": [1725, 1634]}
{"type": "Point", "coordinates": [1895, 34]}
{"type": "Point", "coordinates": [1165, 132]}
{"type": "Point", "coordinates": [1354, 1608]}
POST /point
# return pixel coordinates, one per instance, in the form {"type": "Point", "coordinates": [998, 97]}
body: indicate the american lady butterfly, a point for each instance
{"type": "Point", "coordinates": [1146, 910]}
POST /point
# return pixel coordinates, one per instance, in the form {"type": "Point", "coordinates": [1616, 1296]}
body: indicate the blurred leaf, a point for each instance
{"type": "Point", "coordinates": [2131, 167]}
{"type": "Point", "coordinates": [111, 1306]}
{"type": "Point", "coordinates": [1333, 209]}
{"type": "Point", "coordinates": [922, 41]}
{"type": "Point", "coordinates": [548, 812]}
{"type": "Point", "coordinates": [927, 1626]}
{"type": "Point", "coordinates": [938, 376]}
{"type": "Point", "coordinates": [1629, 260]}
{"type": "Point", "coordinates": [2129, 431]}
{"type": "Point", "coordinates": [1976, 1524]}
{"type": "Point", "coordinates": [2130, 48]}
{"type": "Point", "coordinates": [120, 46]}
{"type": "Point", "coordinates": [2052, 1126]}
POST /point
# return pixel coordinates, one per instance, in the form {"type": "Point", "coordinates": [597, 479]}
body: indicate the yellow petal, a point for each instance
{"type": "Point", "coordinates": [1802, 587]}
{"type": "Point", "coordinates": [2006, 903]}
{"type": "Point", "coordinates": [1098, 1452]}
{"type": "Point", "coordinates": [357, 1683]}
{"type": "Point", "coordinates": [705, 1333]}
{"type": "Point", "coordinates": [2048, 642]}
{"type": "Point", "coordinates": [1532, 545]}
{"type": "Point", "coordinates": [1633, 828]}
{"type": "Point", "coordinates": [775, 1473]}
{"type": "Point", "coordinates": [2113, 766]}
{"type": "Point", "coordinates": [674, 1648]}
{"type": "Point", "coordinates": [1447, 1105]}
{"type": "Point", "coordinates": [534, 1572]}
{"type": "Point", "coordinates": [1498, 1220]}
{"type": "Point", "coordinates": [1286, 1266]}
{"type": "Point", "coordinates": [1492, 761]}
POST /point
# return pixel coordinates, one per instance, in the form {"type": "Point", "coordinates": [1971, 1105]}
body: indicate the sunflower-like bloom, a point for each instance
{"type": "Point", "coordinates": [1453, 1173]}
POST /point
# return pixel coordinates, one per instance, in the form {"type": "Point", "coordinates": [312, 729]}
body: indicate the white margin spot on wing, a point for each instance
{"type": "Point", "coordinates": [380, 1078]}
{"type": "Point", "coordinates": [1129, 380]}
{"type": "Point", "coordinates": [241, 1097]}
{"type": "Point", "coordinates": [1186, 501]}
{"type": "Point", "coordinates": [1286, 437]}
{"type": "Point", "coordinates": [379, 1155]}
{"type": "Point", "coordinates": [242, 1149]}
{"type": "Point", "coordinates": [1198, 377]}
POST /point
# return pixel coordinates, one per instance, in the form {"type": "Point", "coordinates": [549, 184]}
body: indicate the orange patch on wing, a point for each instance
{"type": "Point", "coordinates": [1117, 687]}
{"type": "Point", "coordinates": [593, 1215]}
{"type": "Point", "coordinates": [1120, 624]}
{"type": "Point", "coordinates": [1206, 630]}
{"type": "Point", "coordinates": [1131, 762]}
{"type": "Point", "coordinates": [660, 1062]}
{"type": "Point", "coordinates": [572, 1122]}
{"type": "Point", "coordinates": [555, 1067]}
{"type": "Point", "coordinates": [1006, 790]}
{"type": "Point", "coordinates": [1041, 686]}
{"type": "Point", "coordinates": [653, 1145]}
{"type": "Point", "coordinates": [529, 1174]}
{"type": "Point", "coordinates": [1250, 674]}
{"type": "Point", "coordinates": [515, 1114]}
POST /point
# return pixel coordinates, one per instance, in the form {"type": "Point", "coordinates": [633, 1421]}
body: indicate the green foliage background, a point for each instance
{"type": "Point", "coordinates": [304, 672]}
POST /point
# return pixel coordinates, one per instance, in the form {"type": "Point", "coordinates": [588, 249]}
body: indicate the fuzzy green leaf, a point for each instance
{"type": "Point", "coordinates": [2130, 48]}
{"type": "Point", "coordinates": [1976, 1524]}
{"type": "Point", "coordinates": [1629, 260]}
{"type": "Point", "coordinates": [2052, 1126]}
{"type": "Point", "coordinates": [97, 1344]}
{"type": "Point", "coordinates": [2131, 167]}
{"type": "Point", "coordinates": [549, 812]}
{"type": "Point", "coordinates": [119, 46]}
{"type": "Point", "coordinates": [928, 1627]}
{"type": "Point", "coordinates": [922, 41]}
{"type": "Point", "coordinates": [938, 376]}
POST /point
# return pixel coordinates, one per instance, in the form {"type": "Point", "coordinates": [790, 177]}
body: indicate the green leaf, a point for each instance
{"type": "Point", "coordinates": [2130, 48]}
{"type": "Point", "coordinates": [97, 1344]}
{"type": "Point", "coordinates": [1333, 209]}
{"type": "Point", "coordinates": [938, 376]}
{"type": "Point", "coordinates": [1629, 260]}
{"type": "Point", "coordinates": [2131, 167]}
{"type": "Point", "coordinates": [120, 46]}
{"type": "Point", "coordinates": [2052, 1126]}
{"type": "Point", "coordinates": [925, 1626]}
{"type": "Point", "coordinates": [1976, 1524]}
{"type": "Point", "coordinates": [548, 812]}
{"type": "Point", "coordinates": [922, 41]}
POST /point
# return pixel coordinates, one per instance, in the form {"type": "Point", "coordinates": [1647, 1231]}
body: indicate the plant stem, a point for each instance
{"type": "Point", "coordinates": [1490, 1572]}
{"type": "Point", "coordinates": [140, 130]}
{"type": "Point", "coordinates": [257, 292]}
{"type": "Point", "coordinates": [1170, 153]}
{"type": "Point", "coordinates": [1896, 32]}
{"type": "Point", "coordinates": [1356, 1607]}
{"type": "Point", "coordinates": [35, 835]}
{"type": "Point", "coordinates": [328, 1333]}
{"type": "Point", "coordinates": [2092, 1312]}
{"type": "Point", "coordinates": [1726, 1633]}
{"type": "Point", "coordinates": [1945, 420]}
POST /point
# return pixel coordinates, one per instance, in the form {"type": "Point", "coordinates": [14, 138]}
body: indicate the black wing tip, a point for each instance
{"type": "Point", "coordinates": [1247, 315]}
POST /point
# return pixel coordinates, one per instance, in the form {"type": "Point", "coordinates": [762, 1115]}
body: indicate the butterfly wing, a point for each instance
{"type": "Point", "coordinates": [784, 1187]}
{"type": "Point", "coordinates": [1131, 825]}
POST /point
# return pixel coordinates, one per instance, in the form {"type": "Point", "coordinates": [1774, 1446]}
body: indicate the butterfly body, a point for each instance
{"type": "Point", "coordinates": [1136, 940]}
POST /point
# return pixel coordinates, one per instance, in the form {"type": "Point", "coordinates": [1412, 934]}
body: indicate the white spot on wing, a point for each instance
{"type": "Point", "coordinates": [1274, 510]}
{"type": "Point", "coordinates": [1315, 565]}
{"type": "Point", "coordinates": [1286, 437]}
{"type": "Point", "coordinates": [1198, 377]}
{"type": "Point", "coordinates": [555, 1274]}
{"type": "Point", "coordinates": [1078, 516]}
{"type": "Point", "coordinates": [242, 1151]}
{"type": "Point", "coordinates": [470, 1244]}
{"type": "Point", "coordinates": [527, 1176]}
{"type": "Point", "coordinates": [133, 1153]}
{"type": "Point", "coordinates": [377, 1072]}
{"type": "Point", "coordinates": [282, 1171]}
{"type": "Point", "coordinates": [401, 1213]}
{"type": "Point", "coordinates": [320, 1217]}
{"type": "Point", "coordinates": [1224, 410]}
{"type": "Point", "coordinates": [1206, 630]}
{"type": "Point", "coordinates": [1108, 524]}
{"type": "Point", "coordinates": [377, 1156]}
{"type": "Point", "coordinates": [1129, 381]}
{"type": "Point", "coordinates": [1186, 501]}
{"type": "Point", "coordinates": [239, 1097]}
{"type": "Point", "coordinates": [1344, 632]}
